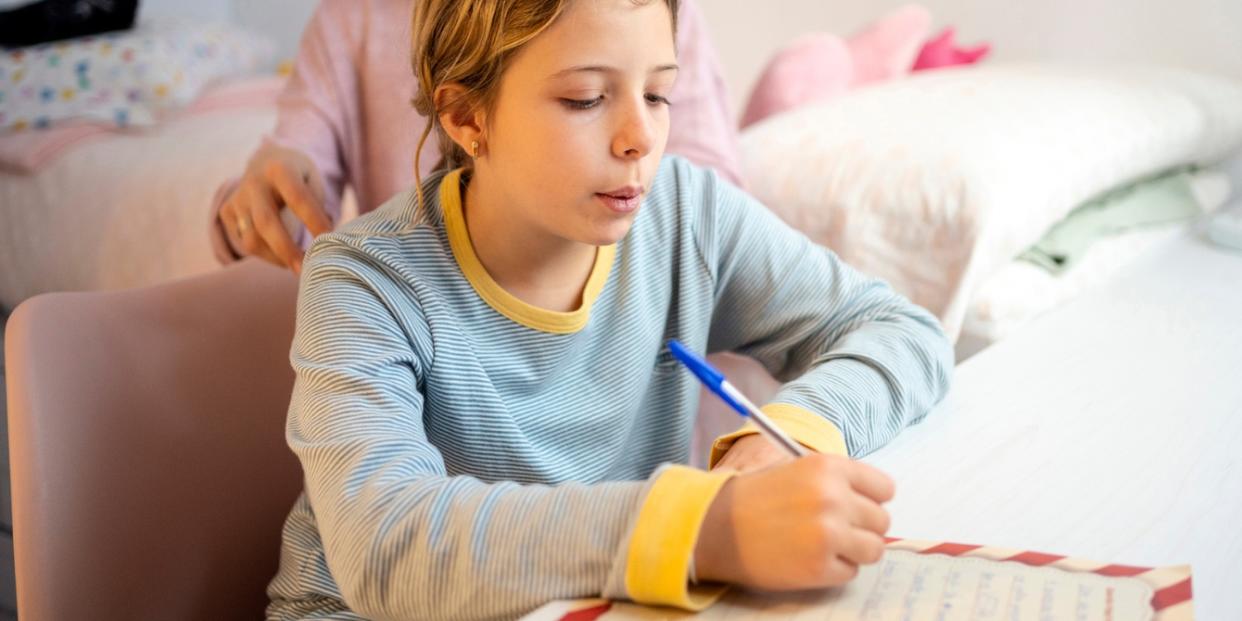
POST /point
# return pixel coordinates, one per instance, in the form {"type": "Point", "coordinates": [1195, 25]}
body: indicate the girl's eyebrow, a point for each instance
{"type": "Point", "coordinates": [606, 69]}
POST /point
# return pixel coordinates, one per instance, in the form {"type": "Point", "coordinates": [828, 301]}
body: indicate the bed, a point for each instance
{"type": "Point", "coordinates": [112, 145]}
{"type": "Point", "coordinates": [118, 210]}
{"type": "Point", "coordinates": [939, 182]}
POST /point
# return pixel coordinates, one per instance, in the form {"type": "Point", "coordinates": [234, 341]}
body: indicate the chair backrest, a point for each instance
{"type": "Point", "coordinates": [149, 468]}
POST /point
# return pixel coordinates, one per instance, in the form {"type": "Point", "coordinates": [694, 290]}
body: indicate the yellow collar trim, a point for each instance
{"type": "Point", "coordinates": [496, 297]}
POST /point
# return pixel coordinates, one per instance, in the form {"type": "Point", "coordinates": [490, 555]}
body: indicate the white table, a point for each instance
{"type": "Point", "coordinates": [1110, 429]}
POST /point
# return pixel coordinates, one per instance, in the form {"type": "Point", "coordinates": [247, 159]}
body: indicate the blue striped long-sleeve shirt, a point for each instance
{"type": "Point", "coordinates": [470, 456]}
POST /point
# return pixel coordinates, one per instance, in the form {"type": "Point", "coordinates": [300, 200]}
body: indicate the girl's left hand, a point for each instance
{"type": "Point", "coordinates": [752, 452]}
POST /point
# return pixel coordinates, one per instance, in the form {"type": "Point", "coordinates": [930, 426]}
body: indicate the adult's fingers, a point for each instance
{"type": "Point", "coordinates": [870, 482]}
{"type": "Point", "coordinates": [314, 181]}
{"type": "Point", "coordinates": [232, 214]}
{"type": "Point", "coordinates": [270, 232]}
{"type": "Point", "coordinates": [228, 222]}
{"type": "Point", "coordinates": [297, 194]}
{"type": "Point", "coordinates": [266, 254]}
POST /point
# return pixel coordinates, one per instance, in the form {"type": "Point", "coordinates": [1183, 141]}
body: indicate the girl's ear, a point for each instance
{"type": "Point", "coordinates": [461, 119]}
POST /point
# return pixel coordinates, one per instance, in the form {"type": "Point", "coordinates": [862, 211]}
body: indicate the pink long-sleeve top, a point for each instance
{"type": "Point", "coordinates": [347, 106]}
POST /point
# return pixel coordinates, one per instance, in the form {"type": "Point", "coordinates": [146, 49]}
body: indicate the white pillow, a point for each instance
{"type": "Point", "coordinates": [935, 181]}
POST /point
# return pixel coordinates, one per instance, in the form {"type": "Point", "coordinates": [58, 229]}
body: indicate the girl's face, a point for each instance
{"type": "Point", "coordinates": [581, 119]}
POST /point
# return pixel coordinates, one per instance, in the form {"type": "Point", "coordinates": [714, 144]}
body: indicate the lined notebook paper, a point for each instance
{"type": "Point", "coordinates": [919, 580]}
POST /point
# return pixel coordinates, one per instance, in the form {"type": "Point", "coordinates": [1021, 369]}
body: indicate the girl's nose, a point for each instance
{"type": "Point", "coordinates": [635, 137]}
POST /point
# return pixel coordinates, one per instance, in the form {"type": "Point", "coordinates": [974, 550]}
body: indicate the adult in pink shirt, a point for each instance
{"type": "Point", "coordinates": [345, 119]}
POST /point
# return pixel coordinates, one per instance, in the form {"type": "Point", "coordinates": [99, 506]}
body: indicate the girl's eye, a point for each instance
{"type": "Point", "coordinates": [652, 98]}
{"type": "Point", "coordinates": [582, 104]}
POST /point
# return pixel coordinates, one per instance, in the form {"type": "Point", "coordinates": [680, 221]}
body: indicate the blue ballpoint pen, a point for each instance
{"type": "Point", "coordinates": [716, 382]}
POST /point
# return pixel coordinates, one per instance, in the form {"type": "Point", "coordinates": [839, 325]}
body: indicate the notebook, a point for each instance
{"type": "Point", "coordinates": [919, 580]}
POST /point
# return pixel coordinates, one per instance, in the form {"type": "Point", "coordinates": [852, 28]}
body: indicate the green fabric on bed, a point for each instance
{"type": "Point", "coordinates": [1164, 199]}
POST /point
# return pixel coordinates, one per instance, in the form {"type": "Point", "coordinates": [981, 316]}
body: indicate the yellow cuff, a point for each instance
{"type": "Point", "coordinates": [665, 534]}
{"type": "Point", "coordinates": [809, 429]}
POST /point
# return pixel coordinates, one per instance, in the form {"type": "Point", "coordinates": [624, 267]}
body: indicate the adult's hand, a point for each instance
{"type": "Point", "coordinates": [276, 178]}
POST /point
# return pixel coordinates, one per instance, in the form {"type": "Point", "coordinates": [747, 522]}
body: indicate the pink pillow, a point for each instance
{"type": "Point", "coordinates": [812, 68]}
{"type": "Point", "coordinates": [887, 48]}
{"type": "Point", "coordinates": [943, 52]}
{"type": "Point", "coordinates": [819, 66]}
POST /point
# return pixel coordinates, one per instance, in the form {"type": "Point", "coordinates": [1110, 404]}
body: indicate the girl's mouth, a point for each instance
{"type": "Point", "coordinates": [620, 204]}
{"type": "Point", "coordinates": [622, 200]}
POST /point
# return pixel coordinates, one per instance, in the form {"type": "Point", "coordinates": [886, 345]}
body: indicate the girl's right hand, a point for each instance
{"type": "Point", "coordinates": [805, 524]}
{"type": "Point", "coordinates": [275, 178]}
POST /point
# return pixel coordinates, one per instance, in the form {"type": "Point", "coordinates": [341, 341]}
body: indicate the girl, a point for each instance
{"type": "Point", "coordinates": [485, 409]}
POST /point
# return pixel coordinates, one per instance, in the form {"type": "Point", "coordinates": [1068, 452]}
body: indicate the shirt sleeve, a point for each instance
{"type": "Point", "coordinates": [849, 349]}
{"type": "Point", "coordinates": [317, 113]}
{"type": "Point", "coordinates": [403, 537]}
{"type": "Point", "coordinates": [702, 128]}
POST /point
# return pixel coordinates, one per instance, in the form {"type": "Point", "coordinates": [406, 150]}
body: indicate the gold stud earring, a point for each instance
{"type": "Point", "coordinates": [474, 149]}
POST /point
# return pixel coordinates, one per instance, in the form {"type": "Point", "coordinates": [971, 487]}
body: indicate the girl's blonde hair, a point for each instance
{"type": "Point", "coordinates": [470, 42]}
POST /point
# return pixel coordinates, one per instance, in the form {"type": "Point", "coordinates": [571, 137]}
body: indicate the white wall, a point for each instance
{"type": "Point", "coordinates": [1204, 34]}
{"type": "Point", "coordinates": [207, 10]}
{"type": "Point", "coordinates": [281, 20]}
{"type": "Point", "coordinates": [1200, 34]}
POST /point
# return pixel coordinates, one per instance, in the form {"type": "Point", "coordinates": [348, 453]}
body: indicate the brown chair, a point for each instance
{"type": "Point", "coordinates": [149, 467]}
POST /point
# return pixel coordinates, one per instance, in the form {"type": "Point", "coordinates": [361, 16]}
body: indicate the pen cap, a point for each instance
{"type": "Point", "coordinates": [714, 380]}
{"type": "Point", "coordinates": [697, 365]}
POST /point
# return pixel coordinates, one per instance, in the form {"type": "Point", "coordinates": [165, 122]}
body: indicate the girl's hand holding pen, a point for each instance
{"type": "Point", "coordinates": [808, 523]}
{"type": "Point", "coordinates": [793, 519]}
